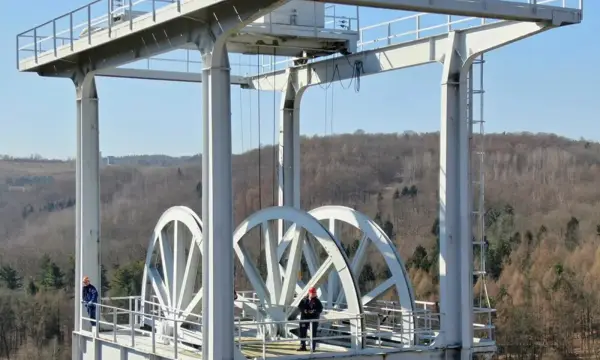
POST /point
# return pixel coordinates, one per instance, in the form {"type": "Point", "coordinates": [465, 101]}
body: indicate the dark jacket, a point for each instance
{"type": "Point", "coordinates": [89, 294]}
{"type": "Point", "coordinates": [310, 309]}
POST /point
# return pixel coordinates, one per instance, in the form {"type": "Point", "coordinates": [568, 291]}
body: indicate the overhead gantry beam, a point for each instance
{"type": "Point", "coordinates": [491, 9]}
{"type": "Point", "coordinates": [396, 57]}
{"type": "Point", "coordinates": [177, 76]}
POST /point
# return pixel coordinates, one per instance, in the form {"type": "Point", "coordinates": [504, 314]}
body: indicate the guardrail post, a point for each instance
{"type": "Point", "coordinates": [418, 26]}
{"type": "Point", "coordinates": [310, 328]}
{"type": "Point", "coordinates": [240, 333]}
{"type": "Point", "coordinates": [132, 330]}
{"type": "Point", "coordinates": [379, 330]}
{"type": "Point", "coordinates": [115, 324]}
{"type": "Point", "coordinates": [153, 335]}
{"type": "Point", "coordinates": [110, 18]}
{"type": "Point", "coordinates": [89, 24]}
{"type": "Point", "coordinates": [154, 10]}
{"type": "Point", "coordinates": [71, 29]}
{"type": "Point", "coordinates": [130, 15]}
{"type": "Point", "coordinates": [136, 308]}
{"type": "Point", "coordinates": [264, 343]}
{"type": "Point", "coordinates": [54, 35]}
{"type": "Point", "coordinates": [178, 5]}
{"type": "Point", "coordinates": [389, 31]}
{"type": "Point", "coordinates": [35, 54]}
{"type": "Point", "coordinates": [175, 337]}
{"type": "Point", "coordinates": [96, 319]}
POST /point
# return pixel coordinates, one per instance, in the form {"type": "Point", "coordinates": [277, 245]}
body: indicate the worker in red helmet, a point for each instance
{"type": "Point", "coordinates": [310, 309]}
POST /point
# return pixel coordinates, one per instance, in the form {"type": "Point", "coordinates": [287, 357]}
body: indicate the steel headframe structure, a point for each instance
{"type": "Point", "coordinates": [207, 25]}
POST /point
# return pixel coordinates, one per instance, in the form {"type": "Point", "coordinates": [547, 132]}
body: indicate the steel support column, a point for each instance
{"type": "Point", "coordinates": [289, 146]}
{"type": "Point", "coordinates": [87, 243]}
{"type": "Point", "coordinates": [456, 250]}
{"type": "Point", "coordinates": [217, 268]}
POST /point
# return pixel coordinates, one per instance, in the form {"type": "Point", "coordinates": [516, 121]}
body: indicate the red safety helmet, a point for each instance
{"type": "Point", "coordinates": [312, 291]}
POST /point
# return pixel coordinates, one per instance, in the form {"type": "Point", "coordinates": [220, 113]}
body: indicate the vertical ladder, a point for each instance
{"type": "Point", "coordinates": [476, 122]}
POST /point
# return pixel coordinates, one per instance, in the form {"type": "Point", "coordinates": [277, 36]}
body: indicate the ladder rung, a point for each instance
{"type": "Point", "coordinates": [479, 243]}
{"type": "Point", "coordinates": [478, 92]}
{"type": "Point", "coordinates": [479, 272]}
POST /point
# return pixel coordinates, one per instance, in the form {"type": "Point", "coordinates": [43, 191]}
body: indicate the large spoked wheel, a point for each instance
{"type": "Point", "coordinates": [372, 238]}
{"type": "Point", "coordinates": [171, 284]}
{"type": "Point", "coordinates": [280, 293]}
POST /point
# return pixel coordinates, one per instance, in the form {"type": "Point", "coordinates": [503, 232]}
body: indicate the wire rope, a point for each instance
{"type": "Point", "coordinates": [260, 246]}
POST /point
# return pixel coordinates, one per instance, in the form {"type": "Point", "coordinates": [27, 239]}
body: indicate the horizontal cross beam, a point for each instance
{"type": "Point", "coordinates": [491, 9]}
{"type": "Point", "coordinates": [177, 76]}
{"type": "Point", "coordinates": [395, 57]}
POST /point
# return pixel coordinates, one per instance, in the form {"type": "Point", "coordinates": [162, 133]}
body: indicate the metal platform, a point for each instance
{"type": "Point", "coordinates": [146, 28]}
{"type": "Point", "coordinates": [139, 29]}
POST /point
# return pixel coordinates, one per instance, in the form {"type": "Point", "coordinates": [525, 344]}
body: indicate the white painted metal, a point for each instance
{"type": "Point", "coordinates": [493, 9]}
{"type": "Point", "coordinates": [372, 234]}
{"type": "Point", "coordinates": [171, 268]}
{"type": "Point", "coordinates": [87, 262]}
{"type": "Point", "coordinates": [297, 13]}
{"type": "Point", "coordinates": [289, 147]}
{"type": "Point", "coordinates": [143, 74]}
{"type": "Point", "coordinates": [395, 57]}
{"type": "Point", "coordinates": [217, 208]}
{"type": "Point", "coordinates": [46, 44]}
{"type": "Point", "coordinates": [280, 300]}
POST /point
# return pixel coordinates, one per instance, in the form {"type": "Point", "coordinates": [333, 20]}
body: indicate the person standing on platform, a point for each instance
{"type": "Point", "coordinates": [310, 309]}
{"type": "Point", "coordinates": [89, 296]}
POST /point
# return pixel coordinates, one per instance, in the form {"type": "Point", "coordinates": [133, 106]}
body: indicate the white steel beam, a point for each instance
{"type": "Point", "coordinates": [176, 76]}
{"type": "Point", "coordinates": [289, 146]}
{"type": "Point", "coordinates": [491, 9]}
{"type": "Point", "coordinates": [395, 57]}
{"type": "Point", "coordinates": [449, 261]}
{"type": "Point", "coordinates": [87, 171]}
{"type": "Point", "coordinates": [456, 248]}
{"type": "Point", "coordinates": [217, 270]}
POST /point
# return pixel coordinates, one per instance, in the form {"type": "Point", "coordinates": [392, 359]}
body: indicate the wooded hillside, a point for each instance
{"type": "Point", "coordinates": [543, 224]}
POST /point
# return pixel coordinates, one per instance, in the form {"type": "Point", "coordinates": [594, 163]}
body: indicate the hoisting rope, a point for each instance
{"type": "Point", "coordinates": [260, 250]}
{"type": "Point", "coordinates": [275, 147]}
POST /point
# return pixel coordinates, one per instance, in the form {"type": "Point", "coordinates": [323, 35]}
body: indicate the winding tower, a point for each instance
{"type": "Point", "coordinates": [181, 314]}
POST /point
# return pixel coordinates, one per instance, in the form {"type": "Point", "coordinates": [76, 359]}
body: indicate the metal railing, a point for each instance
{"type": "Point", "coordinates": [417, 26]}
{"type": "Point", "coordinates": [119, 325]}
{"type": "Point", "coordinates": [100, 15]}
{"type": "Point", "coordinates": [414, 27]}
{"type": "Point", "coordinates": [84, 22]}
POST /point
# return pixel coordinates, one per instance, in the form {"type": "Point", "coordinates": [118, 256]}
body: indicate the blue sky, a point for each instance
{"type": "Point", "coordinates": [547, 83]}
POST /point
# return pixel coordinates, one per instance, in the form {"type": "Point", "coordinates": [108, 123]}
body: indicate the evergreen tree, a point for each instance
{"type": "Point", "coordinates": [51, 276]}
{"type": "Point", "coordinates": [127, 280]}
{"type": "Point", "coordinates": [10, 277]}
{"type": "Point", "coordinates": [32, 288]}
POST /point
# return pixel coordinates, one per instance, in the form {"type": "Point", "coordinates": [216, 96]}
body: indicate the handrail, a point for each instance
{"type": "Point", "coordinates": [378, 333]}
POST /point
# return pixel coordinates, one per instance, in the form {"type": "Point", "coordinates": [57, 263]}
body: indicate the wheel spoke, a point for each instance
{"type": "Point", "coordinates": [189, 276]}
{"type": "Point", "coordinates": [180, 240]}
{"type": "Point", "coordinates": [378, 291]}
{"type": "Point", "coordinates": [252, 272]}
{"type": "Point", "coordinates": [358, 261]}
{"type": "Point", "coordinates": [312, 260]}
{"type": "Point", "coordinates": [317, 279]}
{"type": "Point", "coordinates": [159, 288]}
{"type": "Point", "coordinates": [167, 263]}
{"type": "Point", "coordinates": [293, 265]}
{"type": "Point", "coordinates": [192, 305]}
{"type": "Point", "coordinates": [274, 276]}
